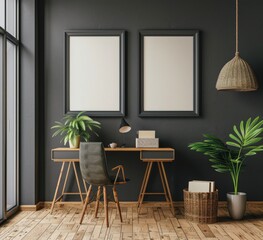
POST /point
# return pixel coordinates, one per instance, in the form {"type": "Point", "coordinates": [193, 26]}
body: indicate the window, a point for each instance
{"type": "Point", "coordinates": [2, 13]}
{"type": "Point", "coordinates": [9, 82]}
{"type": "Point", "coordinates": [11, 146]}
{"type": "Point", "coordinates": [2, 173]}
{"type": "Point", "coordinates": [11, 16]}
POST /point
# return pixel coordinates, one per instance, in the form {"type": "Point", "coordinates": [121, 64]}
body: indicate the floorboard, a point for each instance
{"type": "Point", "coordinates": [152, 223]}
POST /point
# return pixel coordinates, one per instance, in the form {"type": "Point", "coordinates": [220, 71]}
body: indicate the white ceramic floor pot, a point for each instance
{"type": "Point", "coordinates": [236, 204]}
{"type": "Point", "coordinates": [74, 143]}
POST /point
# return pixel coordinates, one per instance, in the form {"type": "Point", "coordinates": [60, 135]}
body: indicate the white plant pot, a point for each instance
{"type": "Point", "coordinates": [236, 204]}
{"type": "Point", "coordinates": [74, 143]}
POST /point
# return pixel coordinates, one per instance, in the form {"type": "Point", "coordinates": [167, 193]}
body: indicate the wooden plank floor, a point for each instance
{"type": "Point", "coordinates": [151, 223]}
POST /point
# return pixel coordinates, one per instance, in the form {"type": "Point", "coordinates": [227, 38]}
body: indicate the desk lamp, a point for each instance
{"type": "Point", "coordinates": [124, 128]}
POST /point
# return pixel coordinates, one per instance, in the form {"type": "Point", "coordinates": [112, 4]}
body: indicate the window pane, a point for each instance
{"type": "Point", "coordinates": [11, 154]}
{"type": "Point", "coordinates": [2, 13]}
{"type": "Point", "coordinates": [11, 16]}
{"type": "Point", "coordinates": [1, 133]}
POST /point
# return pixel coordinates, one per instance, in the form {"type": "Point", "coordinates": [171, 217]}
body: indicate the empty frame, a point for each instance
{"type": "Point", "coordinates": [169, 73]}
{"type": "Point", "coordinates": [94, 72]}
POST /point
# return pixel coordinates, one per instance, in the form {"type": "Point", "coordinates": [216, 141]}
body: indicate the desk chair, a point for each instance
{"type": "Point", "coordinates": [93, 166]}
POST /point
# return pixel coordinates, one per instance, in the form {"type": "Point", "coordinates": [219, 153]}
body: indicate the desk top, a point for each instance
{"type": "Point", "coordinates": [156, 154]}
{"type": "Point", "coordinates": [124, 149]}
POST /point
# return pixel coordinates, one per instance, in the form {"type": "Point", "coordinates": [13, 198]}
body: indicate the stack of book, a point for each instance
{"type": "Point", "coordinates": [146, 139]}
{"type": "Point", "coordinates": [201, 186]}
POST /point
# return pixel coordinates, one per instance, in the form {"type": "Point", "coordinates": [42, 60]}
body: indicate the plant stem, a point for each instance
{"type": "Point", "coordinates": [237, 168]}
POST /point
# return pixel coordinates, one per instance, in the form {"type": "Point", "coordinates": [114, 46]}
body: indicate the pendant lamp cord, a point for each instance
{"type": "Point", "coordinates": [237, 53]}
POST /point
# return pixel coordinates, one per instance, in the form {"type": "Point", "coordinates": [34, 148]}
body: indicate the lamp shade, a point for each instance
{"type": "Point", "coordinates": [237, 75]}
{"type": "Point", "coordinates": [124, 126]}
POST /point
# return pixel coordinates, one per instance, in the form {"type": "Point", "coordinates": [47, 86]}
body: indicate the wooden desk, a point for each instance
{"type": "Point", "coordinates": [149, 155]}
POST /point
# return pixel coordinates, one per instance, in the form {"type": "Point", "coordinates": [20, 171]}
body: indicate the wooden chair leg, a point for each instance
{"type": "Point", "coordinates": [85, 204]}
{"type": "Point", "coordinates": [106, 205]}
{"type": "Point", "coordinates": [97, 202]}
{"type": "Point", "coordinates": [57, 187]}
{"type": "Point", "coordinates": [117, 201]}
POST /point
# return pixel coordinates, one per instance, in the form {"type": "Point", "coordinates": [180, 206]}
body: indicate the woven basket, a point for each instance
{"type": "Point", "coordinates": [201, 207]}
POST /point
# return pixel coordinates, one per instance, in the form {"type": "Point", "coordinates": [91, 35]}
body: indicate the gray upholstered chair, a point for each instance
{"type": "Point", "coordinates": [93, 166]}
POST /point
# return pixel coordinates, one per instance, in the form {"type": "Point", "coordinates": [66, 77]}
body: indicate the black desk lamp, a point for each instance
{"type": "Point", "coordinates": [124, 128]}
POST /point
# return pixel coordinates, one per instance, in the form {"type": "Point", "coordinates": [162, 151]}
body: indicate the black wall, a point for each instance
{"type": "Point", "coordinates": [219, 110]}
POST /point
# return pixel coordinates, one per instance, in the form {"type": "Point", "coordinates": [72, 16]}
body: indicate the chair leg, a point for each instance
{"type": "Point", "coordinates": [85, 204]}
{"type": "Point", "coordinates": [97, 202]}
{"type": "Point", "coordinates": [117, 201]}
{"type": "Point", "coordinates": [106, 205]}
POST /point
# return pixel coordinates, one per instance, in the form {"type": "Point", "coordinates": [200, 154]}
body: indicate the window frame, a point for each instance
{"type": "Point", "coordinates": [15, 41]}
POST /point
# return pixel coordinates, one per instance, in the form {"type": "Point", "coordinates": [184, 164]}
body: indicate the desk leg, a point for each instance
{"type": "Point", "coordinates": [145, 184]}
{"type": "Point", "coordinates": [66, 180]}
{"type": "Point", "coordinates": [168, 188]}
{"type": "Point", "coordinates": [77, 179]}
{"type": "Point", "coordinates": [164, 187]}
{"type": "Point", "coordinates": [57, 187]}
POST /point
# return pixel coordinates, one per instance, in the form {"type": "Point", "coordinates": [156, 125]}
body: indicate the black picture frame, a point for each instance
{"type": "Point", "coordinates": [196, 74]}
{"type": "Point", "coordinates": [122, 71]}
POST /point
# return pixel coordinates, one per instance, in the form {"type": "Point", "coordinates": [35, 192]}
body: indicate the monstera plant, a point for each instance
{"type": "Point", "coordinates": [75, 126]}
{"type": "Point", "coordinates": [228, 157]}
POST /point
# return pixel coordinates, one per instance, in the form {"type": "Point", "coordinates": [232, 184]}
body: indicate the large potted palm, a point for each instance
{"type": "Point", "coordinates": [73, 127]}
{"type": "Point", "coordinates": [229, 157]}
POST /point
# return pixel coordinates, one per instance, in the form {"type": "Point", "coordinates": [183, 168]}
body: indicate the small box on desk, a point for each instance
{"type": "Point", "coordinates": [147, 142]}
{"type": "Point", "coordinates": [146, 134]}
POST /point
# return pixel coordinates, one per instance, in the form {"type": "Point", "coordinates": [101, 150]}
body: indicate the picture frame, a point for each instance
{"type": "Point", "coordinates": [169, 73]}
{"type": "Point", "coordinates": [94, 67]}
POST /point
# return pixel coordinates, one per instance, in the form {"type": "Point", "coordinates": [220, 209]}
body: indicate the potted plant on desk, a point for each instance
{"type": "Point", "coordinates": [74, 127]}
{"type": "Point", "coordinates": [229, 158]}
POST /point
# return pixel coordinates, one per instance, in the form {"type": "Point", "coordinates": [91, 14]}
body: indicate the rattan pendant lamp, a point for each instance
{"type": "Point", "coordinates": [237, 75]}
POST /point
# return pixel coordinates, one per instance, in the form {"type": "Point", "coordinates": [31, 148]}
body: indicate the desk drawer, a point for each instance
{"type": "Point", "coordinates": [162, 155]}
{"type": "Point", "coordinates": [60, 154]}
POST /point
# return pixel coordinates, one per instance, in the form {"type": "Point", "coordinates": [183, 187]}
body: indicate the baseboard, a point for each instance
{"type": "Point", "coordinates": [111, 204]}
{"type": "Point", "coordinates": [36, 207]}
{"type": "Point", "coordinates": [47, 204]}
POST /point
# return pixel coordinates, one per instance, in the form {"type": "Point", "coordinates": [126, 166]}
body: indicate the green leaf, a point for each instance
{"type": "Point", "coordinates": [85, 118]}
{"type": "Point", "coordinates": [233, 144]}
{"type": "Point", "coordinates": [247, 125]}
{"type": "Point", "coordinates": [237, 133]}
{"type": "Point", "coordinates": [222, 170]}
{"type": "Point", "coordinates": [80, 113]}
{"type": "Point", "coordinates": [254, 133]}
{"type": "Point", "coordinates": [235, 139]}
{"type": "Point", "coordinates": [242, 128]}
{"type": "Point", "coordinates": [253, 141]}
{"type": "Point", "coordinates": [82, 125]}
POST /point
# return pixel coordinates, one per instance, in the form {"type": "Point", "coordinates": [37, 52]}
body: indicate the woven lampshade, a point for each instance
{"type": "Point", "coordinates": [237, 75]}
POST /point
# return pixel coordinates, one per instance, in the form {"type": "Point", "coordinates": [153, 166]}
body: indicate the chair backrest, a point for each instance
{"type": "Point", "coordinates": [93, 164]}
